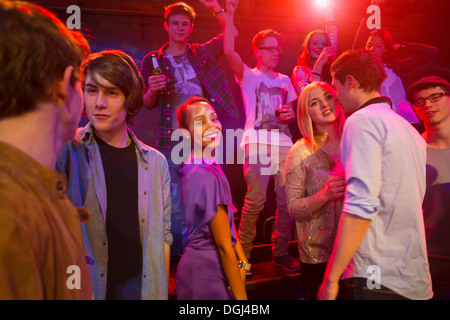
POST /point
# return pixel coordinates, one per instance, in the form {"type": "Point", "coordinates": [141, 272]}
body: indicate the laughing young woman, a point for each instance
{"type": "Point", "coordinates": [213, 264]}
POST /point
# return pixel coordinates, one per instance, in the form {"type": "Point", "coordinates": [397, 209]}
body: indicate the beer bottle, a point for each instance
{"type": "Point", "coordinates": [156, 69]}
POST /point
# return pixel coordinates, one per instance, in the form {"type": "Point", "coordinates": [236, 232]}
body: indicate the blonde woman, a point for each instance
{"type": "Point", "coordinates": [315, 180]}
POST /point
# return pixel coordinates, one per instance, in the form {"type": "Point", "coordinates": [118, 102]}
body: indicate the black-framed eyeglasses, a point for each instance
{"type": "Point", "coordinates": [435, 97]}
{"type": "Point", "coordinates": [271, 49]}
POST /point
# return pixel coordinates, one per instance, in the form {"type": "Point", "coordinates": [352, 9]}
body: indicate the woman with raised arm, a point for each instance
{"type": "Point", "coordinates": [413, 55]}
{"type": "Point", "coordinates": [318, 52]}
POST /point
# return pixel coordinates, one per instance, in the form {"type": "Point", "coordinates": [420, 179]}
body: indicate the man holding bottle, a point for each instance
{"type": "Point", "coordinates": [188, 70]}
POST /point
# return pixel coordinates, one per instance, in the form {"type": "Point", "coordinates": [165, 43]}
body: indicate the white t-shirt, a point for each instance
{"type": "Point", "coordinates": [262, 96]}
{"type": "Point", "coordinates": [384, 159]}
{"type": "Point", "coordinates": [392, 87]}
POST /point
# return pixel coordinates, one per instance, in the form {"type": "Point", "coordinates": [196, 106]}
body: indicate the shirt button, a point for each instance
{"type": "Point", "coordinates": [145, 193]}
{"type": "Point", "coordinates": [142, 220]}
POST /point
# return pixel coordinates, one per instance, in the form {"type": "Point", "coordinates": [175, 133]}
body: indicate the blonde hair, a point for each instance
{"type": "Point", "coordinates": [313, 138]}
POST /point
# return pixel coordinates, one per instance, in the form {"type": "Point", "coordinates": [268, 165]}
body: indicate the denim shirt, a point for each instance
{"type": "Point", "coordinates": [81, 162]}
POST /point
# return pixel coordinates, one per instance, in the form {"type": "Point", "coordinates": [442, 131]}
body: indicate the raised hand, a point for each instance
{"type": "Point", "coordinates": [232, 6]}
{"type": "Point", "coordinates": [210, 4]}
{"type": "Point", "coordinates": [327, 55]}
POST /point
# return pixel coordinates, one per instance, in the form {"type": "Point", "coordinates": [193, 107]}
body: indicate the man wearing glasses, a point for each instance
{"type": "Point", "coordinates": [431, 102]}
{"type": "Point", "coordinates": [268, 97]}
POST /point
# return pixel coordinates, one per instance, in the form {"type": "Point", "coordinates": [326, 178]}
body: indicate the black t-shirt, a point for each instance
{"type": "Point", "coordinates": [122, 222]}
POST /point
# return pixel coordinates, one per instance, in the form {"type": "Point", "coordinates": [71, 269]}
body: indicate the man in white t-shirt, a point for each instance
{"type": "Point", "coordinates": [268, 97]}
{"type": "Point", "coordinates": [380, 248]}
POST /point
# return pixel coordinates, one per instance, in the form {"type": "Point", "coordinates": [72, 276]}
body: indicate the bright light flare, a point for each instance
{"type": "Point", "coordinates": [322, 3]}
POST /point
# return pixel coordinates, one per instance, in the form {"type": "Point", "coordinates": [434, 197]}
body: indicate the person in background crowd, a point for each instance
{"type": "Point", "coordinates": [188, 70]}
{"type": "Point", "coordinates": [398, 60]}
{"type": "Point", "coordinates": [268, 102]}
{"type": "Point", "coordinates": [319, 50]}
{"type": "Point", "coordinates": [430, 97]}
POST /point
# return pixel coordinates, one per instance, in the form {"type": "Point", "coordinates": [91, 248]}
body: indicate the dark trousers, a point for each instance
{"type": "Point", "coordinates": [440, 278]}
{"type": "Point", "coordinates": [356, 289]}
{"type": "Point", "coordinates": [311, 277]}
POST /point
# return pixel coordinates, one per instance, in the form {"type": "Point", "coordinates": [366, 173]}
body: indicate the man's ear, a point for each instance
{"type": "Point", "coordinates": [350, 82]}
{"type": "Point", "coordinates": [166, 26]}
{"type": "Point", "coordinates": [256, 52]}
{"type": "Point", "coordinates": [64, 87]}
{"type": "Point", "coordinates": [192, 27]}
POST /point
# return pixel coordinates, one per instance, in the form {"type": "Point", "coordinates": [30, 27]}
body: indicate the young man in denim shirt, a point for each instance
{"type": "Point", "coordinates": [124, 183]}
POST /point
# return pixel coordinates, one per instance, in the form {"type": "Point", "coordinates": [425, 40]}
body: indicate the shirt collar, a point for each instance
{"type": "Point", "coordinates": [377, 100]}
{"type": "Point", "coordinates": [161, 51]}
{"type": "Point", "coordinates": [87, 135]}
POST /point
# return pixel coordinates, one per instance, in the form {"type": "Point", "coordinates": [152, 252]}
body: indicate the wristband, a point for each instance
{"type": "Point", "coordinates": [218, 13]}
{"type": "Point", "coordinates": [244, 265]}
{"type": "Point", "coordinates": [317, 74]}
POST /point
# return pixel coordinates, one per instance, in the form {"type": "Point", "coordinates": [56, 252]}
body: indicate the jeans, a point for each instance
{"type": "Point", "coordinates": [257, 175]}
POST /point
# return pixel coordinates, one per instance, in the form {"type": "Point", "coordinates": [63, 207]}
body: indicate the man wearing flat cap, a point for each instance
{"type": "Point", "coordinates": [430, 97]}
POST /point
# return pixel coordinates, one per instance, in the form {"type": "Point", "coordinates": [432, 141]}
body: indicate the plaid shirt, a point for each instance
{"type": "Point", "coordinates": [204, 59]}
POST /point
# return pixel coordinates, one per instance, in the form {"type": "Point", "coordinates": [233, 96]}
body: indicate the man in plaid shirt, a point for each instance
{"type": "Point", "coordinates": [188, 70]}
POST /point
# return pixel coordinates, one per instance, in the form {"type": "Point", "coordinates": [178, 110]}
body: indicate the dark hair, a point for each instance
{"type": "Point", "coordinates": [181, 111]}
{"type": "Point", "coordinates": [386, 37]}
{"type": "Point", "coordinates": [260, 36]}
{"type": "Point", "coordinates": [363, 65]}
{"type": "Point", "coordinates": [35, 49]}
{"type": "Point", "coordinates": [179, 8]}
{"type": "Point", "coordinates": [118, 68]}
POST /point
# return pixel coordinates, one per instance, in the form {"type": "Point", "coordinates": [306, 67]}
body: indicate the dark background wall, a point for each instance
{"type": "Point", "coordinates": [136, 27]}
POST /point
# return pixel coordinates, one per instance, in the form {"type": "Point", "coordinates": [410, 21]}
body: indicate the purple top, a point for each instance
{"type": "Point", "coordinates": [203, 188]}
